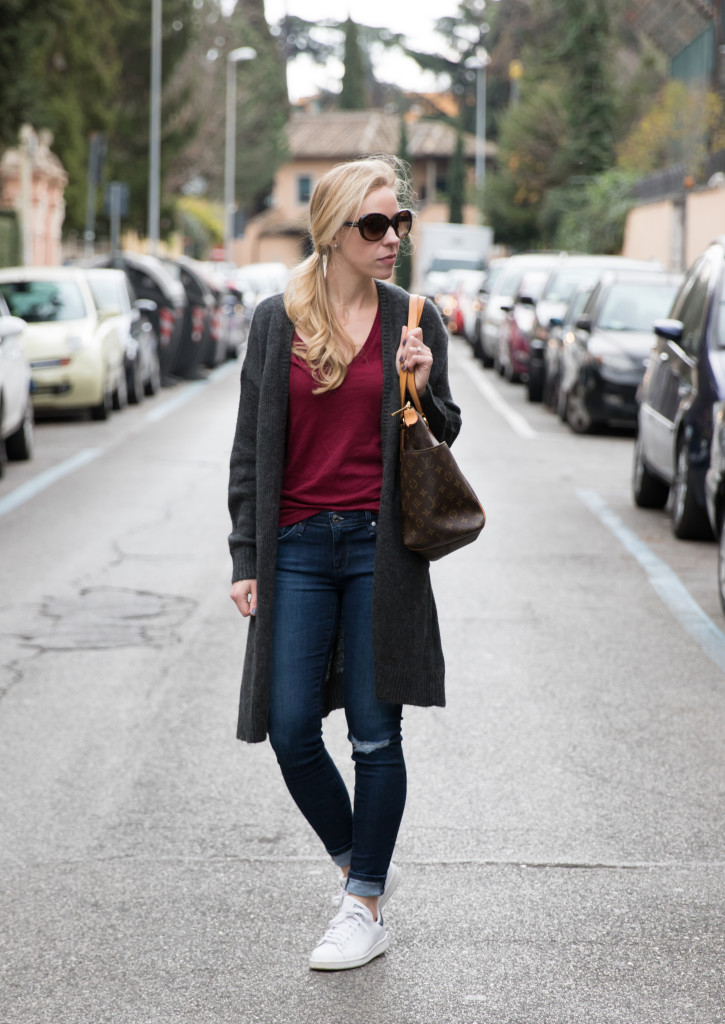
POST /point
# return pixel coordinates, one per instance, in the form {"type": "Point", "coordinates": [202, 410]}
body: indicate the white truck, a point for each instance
{"type": "Point", "coordinates": [440, 248]}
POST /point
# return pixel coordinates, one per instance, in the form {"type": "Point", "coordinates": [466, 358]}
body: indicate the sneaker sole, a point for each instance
{"type": "Point", "coordinates": [338, 965]}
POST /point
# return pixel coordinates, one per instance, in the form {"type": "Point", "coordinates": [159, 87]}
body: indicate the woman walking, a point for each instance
{"type": "Point", "coordinates": [342, 613]}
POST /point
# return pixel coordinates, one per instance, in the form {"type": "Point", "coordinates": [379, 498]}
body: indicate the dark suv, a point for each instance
{"type": "Point", "coordinates": [685, 379]}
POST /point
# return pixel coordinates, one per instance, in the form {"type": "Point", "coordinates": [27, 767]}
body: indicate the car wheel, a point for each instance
{"type": "Point", "coordinates": [134, 383]}
{"type": "Point", "coordinates": [561, 402]}
{"type": "Point", "coordinates": [648, 490]}
{"type": "Point", "coordinates": [3, 456]}
{"type": "Point", "coordinates": [510, 374]}
{"type": "Point", "coordinates": [19, 445]}
{"type": "Point", "coordinates": [577, 414]}
{"type": "Point", "coordinates": [103, 410]}
{"type": "Point", "coordinates": [535, 386]}
{"type": "Point", "coordinates": [153, 384]}
{"type": "Point", "coordinates": [721, 562]}
{"type": "Point", "coordinates": [689, 520]}
{"type": "Point", "coordinates": [120, 394]}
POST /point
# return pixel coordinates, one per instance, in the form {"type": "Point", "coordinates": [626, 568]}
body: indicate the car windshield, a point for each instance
{"type": "Point", "coordinates": [636, 305]}
{"type": "Point", "coordinates": [44, 301]}
{"type": "Point", "coordinates": [563, 283]}
{"type": "Point", "coordinates": [532, 284]}
{"type": "Point", "coordinates": [577, 304]}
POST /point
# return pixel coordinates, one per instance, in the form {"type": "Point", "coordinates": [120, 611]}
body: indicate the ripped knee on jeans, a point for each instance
{"type": "Point", "coordinates": [368, 746]}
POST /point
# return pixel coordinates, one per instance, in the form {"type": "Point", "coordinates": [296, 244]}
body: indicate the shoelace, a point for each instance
{"type": "Point", "coordinates": [342, 927]}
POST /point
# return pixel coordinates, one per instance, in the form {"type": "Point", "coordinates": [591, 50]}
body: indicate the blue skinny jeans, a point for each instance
{"type": "Point", "coordinates": [324, 578]}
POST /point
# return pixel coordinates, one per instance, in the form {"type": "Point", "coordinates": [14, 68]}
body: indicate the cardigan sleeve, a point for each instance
{"type": "Point", "coordinates": [442, 413]}
{"type": "Point", "coordinates": [243, 460]}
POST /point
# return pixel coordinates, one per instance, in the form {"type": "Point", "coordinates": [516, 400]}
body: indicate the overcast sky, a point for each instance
{"type": "Point", "coordinates": [415, 19]}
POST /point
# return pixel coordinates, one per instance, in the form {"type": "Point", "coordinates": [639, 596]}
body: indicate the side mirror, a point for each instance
{"type": "Point", "coordinates": [506, 305]}
{"type": "Point", "coordinates": [556, 321]}
{"type": "Point", "coordinates": [584, 323]}
{"type": "Point", "coordinates": [670, 330]}
{"type": "Point", "coordinates": [146, 305]}
{"type": "Point", "coordinates": [527, 300]}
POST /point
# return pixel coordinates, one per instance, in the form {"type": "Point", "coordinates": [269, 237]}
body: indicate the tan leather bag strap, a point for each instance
{"type": "Point", "coordinates": [407, 378]}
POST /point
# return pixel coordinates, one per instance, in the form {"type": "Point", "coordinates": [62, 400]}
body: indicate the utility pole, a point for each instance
{"type": "Point", "coordinates": [155, 130]}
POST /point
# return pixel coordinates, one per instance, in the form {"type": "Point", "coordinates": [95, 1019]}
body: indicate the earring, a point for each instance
{"type": "Point", "coordinates": [334, 245]}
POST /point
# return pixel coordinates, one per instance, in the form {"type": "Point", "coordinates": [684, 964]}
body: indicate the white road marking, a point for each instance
{"type": "Point", "coordinates": [39, 483]}
{"type": "Point", "coordinates": [666, 583]}
{"type": "Point", "coordinates": [514, 419]}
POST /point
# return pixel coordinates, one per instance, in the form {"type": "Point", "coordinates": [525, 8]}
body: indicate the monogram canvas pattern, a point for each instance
{"type": "Point", "coordinates": [440, 511]}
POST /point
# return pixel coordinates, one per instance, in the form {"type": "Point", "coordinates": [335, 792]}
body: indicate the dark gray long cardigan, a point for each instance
{"type": "Point", "coordinates": [409, 666]}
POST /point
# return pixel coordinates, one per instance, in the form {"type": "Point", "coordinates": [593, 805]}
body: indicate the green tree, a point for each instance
{"type": "Point", "coordinates": [591, 216]}
{"type": "Point", "coordinates": [353, 92]}
{"type": "Point", "coordinates": [22, 25]}
{"type": "Point", "coordinates": [128, 148]}
{"type": "Point", "coordinates": [62, 74]}
{"type": "Point", "coordinates": [262, 106]}
{"type": "Point", "coordinates": [680, 127]}
{"type": "Point", "coordinates": [532, 145]}
{"type": "Point", "coordinates": [587, 51]}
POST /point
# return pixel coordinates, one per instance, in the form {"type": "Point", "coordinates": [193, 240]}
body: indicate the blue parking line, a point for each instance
{"type": "Point", "coordinates": [44, 480]}
{"type": "Point", "coordinates": [665, 582]}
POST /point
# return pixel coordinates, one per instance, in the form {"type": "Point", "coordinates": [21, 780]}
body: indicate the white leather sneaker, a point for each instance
{"type": "Point", "coordinates": [353, 938]}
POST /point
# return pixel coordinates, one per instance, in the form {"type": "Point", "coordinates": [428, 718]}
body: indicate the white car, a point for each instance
{"type": "Point", "coordinates": [16, 407]}
{"type": "Point", "coordinates": [76, 352]}
{"type": "Point", "coordinates": [112, 290]}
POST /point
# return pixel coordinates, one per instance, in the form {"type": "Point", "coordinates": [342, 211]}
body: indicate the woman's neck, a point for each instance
{"type": "Point", "coordinates": [350, 295]}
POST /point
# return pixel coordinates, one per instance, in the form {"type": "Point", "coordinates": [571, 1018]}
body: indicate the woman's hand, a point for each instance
{"type": "Point", "coordinates": [244, 596]}
{"type": "Point", "coordinates": [413, 355]}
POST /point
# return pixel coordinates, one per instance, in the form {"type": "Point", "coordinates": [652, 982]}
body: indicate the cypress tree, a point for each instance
{"type": "Point", "coordinates": [353, 95]}
{"type": "Point", "coordinates": [456, 179]}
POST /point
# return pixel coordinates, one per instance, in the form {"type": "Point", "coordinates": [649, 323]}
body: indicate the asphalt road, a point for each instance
{"type": "Point", "coordinates": [562, 848]}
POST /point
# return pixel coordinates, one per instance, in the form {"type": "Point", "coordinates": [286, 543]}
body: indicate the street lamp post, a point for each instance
{"type": "Point", "coordinates": [233, 58]}
{"type": "Point", "coordinates": [479, 63]}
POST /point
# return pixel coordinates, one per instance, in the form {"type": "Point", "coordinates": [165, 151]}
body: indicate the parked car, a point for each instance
{"type": "Point", "coordinates": [197, 346]}
{"type": "Point", "coordinates": [234, 317]}
{"type": "Point", "coordinates": [679, 400]}
{"type": "Point", "coordinates": [514, 341]}
{"type": "Point", "coordinates": [259, 280]}
{"type": "Point", "coordinates": [502, 294]}
{"type": "Point", "coordinates": [75, 351]}
{"type": "Point", "coordinates": [458, 299]}
{"type": "Point", "coordinates": [604, 364]}
{"type": "Point", "coordinates": [715, 492]}
{"type": "Point", "coordinates": [491, 276]}
{"type": "Point", "coordinates": [151, 280]}
{"type": "Point", "coordinates": [16, 407]}
{"type": "Point", "coordinates": [112, 289]}
{"type": "Point", "coordinates": [561, 334]}
{"type": "Point", "coordinates": [570, 271]}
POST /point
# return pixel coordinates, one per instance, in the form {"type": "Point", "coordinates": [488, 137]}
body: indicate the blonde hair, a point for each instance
{"type": "Point", "coordinates": [337, 197]}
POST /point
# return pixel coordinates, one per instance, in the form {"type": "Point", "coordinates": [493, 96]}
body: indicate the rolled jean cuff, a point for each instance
{"type": "Point", "coordinates": [362, 887]}
{"type": "Point", "coordinates": [342, 860]}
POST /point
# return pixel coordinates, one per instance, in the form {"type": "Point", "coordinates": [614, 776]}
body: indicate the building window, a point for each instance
{"type": "Point", "coordinates": [304, 188]}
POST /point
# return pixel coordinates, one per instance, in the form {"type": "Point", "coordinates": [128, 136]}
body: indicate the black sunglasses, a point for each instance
{"type": "Point", "coordinates": [374, 226]}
